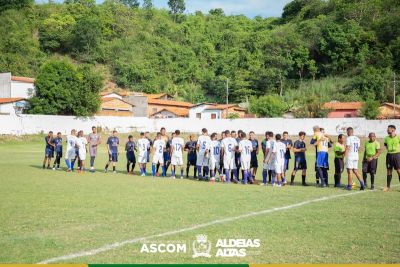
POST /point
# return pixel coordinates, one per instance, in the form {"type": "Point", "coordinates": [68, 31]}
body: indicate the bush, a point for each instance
{"type": "Point", "coordinates": [267, 106]}
{"type": "Point", "coordinates": [370, 109]}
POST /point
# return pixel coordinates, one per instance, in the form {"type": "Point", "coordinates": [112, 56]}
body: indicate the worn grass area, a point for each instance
{"type": "Point", "coordinates": [46, 214]}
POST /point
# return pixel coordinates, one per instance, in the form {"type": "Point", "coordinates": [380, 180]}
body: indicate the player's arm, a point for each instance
{"type": "Point", "coordinates": [378, 152]}
{"type": "Point", "coordinates": [346, 152]}
{"type": "Point", "coordinates": [257, 149]}
{"type": "Point", "coordinates": [108, 148]}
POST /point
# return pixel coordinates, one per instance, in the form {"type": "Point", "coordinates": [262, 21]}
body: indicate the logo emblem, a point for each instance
{"type": "Point", "coordinates": [201, 247]}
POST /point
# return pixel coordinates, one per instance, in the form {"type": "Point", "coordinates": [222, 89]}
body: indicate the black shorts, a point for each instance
{"type": "Point", "coordinates": [59, 154]}
{"type": "Point", "coordinates": [300, 163]}
{"type": "Point", "coordinates": [130, 157]}
{"type": "Point", "coordinates": [339, 165]}
{"type": "Point", "coordinates": [370, 166]}
{"type": "Point", "coordinates": [113, 157]}
{"type": "Point", "coordinates": [393, 161]}
{"type": "Point", "coordinates": [253, 161]}
{"type": "Point", "coordinates": [191, 161]}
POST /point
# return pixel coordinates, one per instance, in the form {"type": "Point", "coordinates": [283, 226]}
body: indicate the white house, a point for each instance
{"type": "Point", "coordinates": [16, 86]}
{"type": "Point", "coordinates": [12, 106]}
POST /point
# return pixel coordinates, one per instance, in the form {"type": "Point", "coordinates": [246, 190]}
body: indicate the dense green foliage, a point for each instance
{"type": "Point", "coordinates": [190, 56]}
{"type": "Point", "coordinates": [66, 90]}
{"type": "Point", "coordinates": [267, 106]}
{"type": "Point", "coordinates": [370, 110]}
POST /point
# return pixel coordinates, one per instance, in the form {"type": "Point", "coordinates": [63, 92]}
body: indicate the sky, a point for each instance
{"type": "Point", "coordinates": [250, 8]}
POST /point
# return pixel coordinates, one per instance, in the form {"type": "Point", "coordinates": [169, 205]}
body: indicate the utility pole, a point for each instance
{"type": "Point", "coordinates": [394, 94]}
{"type": "Point", "coordinates": [227, 96]}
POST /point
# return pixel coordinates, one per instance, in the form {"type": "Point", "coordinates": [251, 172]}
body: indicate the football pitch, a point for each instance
{"type": "Point", "coordinates": [58, 217]}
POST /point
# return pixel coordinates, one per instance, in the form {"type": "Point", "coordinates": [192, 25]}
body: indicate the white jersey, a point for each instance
{"type": "Point", "coordinates": [204, 143]}
{"type": "Point", "coordinates": [229, 144]}
{"type": "Point", "coordinates": [81, 143]}
{"type": "Point", "coordinates": [71, 142]}
{"type": "Point", "coordinates": [353, 142]}
{"type": "Point", "coordinates": [143, 145]}
{"type": "Point", "coordinates": [270, 145]}
{"type": "Point", "coordinates": [159, 146]}
{"type": "Point", "coordinates": [245, 148]}
{"type": "Point", "coordinates": [279, 151]}
{"type": "Point", "coordinates": [215, 150]}
{"type": "Point", "coordinates": [178, 144]}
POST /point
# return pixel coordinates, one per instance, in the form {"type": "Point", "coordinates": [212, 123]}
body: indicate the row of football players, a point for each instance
{"type": "Point", "coordinates": [230, 153]}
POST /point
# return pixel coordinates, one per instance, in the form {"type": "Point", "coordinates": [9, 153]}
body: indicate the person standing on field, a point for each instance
{"type": "Point", "coordinates": [370, 159]}
{"type": "Point", "coordinates": [339, 150]}
{"type": "Point", "coordinates": [94, 140]}
{"type": "Point", "coordinates": [392, 144]}
{"type": "Point", "coordinates": [300, 161]}
{"type": "Point", "coordinates": [353, 145]}
{"type": "Point", "coordinates": [112, 148]}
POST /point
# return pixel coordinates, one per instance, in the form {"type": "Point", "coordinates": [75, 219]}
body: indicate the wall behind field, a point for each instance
{"type": "Point", "coordinates": [33, 124]}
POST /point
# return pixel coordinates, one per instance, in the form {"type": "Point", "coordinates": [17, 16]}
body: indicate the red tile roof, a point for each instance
{"type": "Point", "coordinates": [177, 111]}
{"type": "Point", "coordinates": [108, 99]}
{"type": "Point", "coordinates": [391, 105]}
{"type": "Point", "coordinates": [22, 79]}
{"type": "Point", "coordinates": [344, 105]}
{"type": "Point", "coordinates": [10, 100]}
{"type": "Point", "coordinates": [157, 96]}
{"type": "Point", "coordinates": [169, 103]}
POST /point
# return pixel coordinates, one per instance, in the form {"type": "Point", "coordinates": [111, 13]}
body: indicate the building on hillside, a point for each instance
{"type": "Point", "coordinates": [12, 105]}
{"type": "Point", "coordinates": [16, 86]}
{"type": "Point", "coordinates": [169, 113]}
{"type": "Point", "coordinates": [115, 107]}
{"type": "Point", "coordinates": [343, 109]}
{"type": "Point", "coordinates": [217, 111]}
{"type": "Point", "coordinates": [156, 105]}
{"type": "Point", "coordinates": [389, 111]}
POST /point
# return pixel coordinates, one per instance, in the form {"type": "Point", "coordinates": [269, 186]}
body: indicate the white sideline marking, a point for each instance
{"type": "Point", "coordinates": [194, 227]}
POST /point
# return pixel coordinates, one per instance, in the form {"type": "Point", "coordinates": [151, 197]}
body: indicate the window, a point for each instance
{"type": "Point", "coordinates": [198, 115]}
{"type": "Point", "coordinates": [213, 116]}
{"type": "Point", "coordinates": [348, 115]}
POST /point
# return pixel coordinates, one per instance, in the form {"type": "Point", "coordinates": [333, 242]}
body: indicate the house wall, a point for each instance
{"type": "Point", "coordinates": [140, 106]}
{"type": "Point", "coordinates": [5, 85]}
{"type": "Point", "coordinates": [119, 113]}
{"type": "Point", "coordinates": [206, 114]}
{"type": "Point", "coordinates": [33, 124]}
{"type": "Point", "coordinates": [116, 105]}
{"type": "Point", "coordinates": [164, 114]}
{"type": "Point", "coordinates": [7, 109]}
{"type": "Point", "coordinates": [193, 111]}
{"type": "Point", "coordinates": [22, 89]}
{"type": "Point", "coordinates": [342, 113]}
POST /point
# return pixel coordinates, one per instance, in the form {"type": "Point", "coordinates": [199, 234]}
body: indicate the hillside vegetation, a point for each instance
{"type": "Point", "coordinates": [326, 50]}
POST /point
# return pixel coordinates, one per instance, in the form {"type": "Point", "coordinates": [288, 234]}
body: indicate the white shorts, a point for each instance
{"type": "Point", "coordinates": [202, 160]}
{"type": "Point", "coordinates": [70, 154]}
{"type": "Point", "coordinates": [142, 159]}
{"type": "Point", "coordinates": [352, 164]}
{"type": "Point", "coordinates": [270, 166]}
{"type": "Point", "coordinates": [214, 163]}
{"type": "Point", "coordinates": [82, 154]}
{"type": "Point", "coordinates": [177, 160]}
{"type": "Point", "coordinates": [245, 164]}
{"type": "Point", "coordinates": [158, 158]}
{"type": "Point", "coordinates": [229, 163]}
{"type": "Point", "coordinates": [279, 167]}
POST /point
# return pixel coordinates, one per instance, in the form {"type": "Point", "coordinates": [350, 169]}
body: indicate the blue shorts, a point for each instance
{"type": "Point", "coordinates": [130, 157]}
{"type": "Point", "coordinates": [49, 153]}
{"type": "Point", "coordinates": [322, 159]}
{"type": "Point", "coordinates": [113, 157]}
{"type": "Point", "coordinates": [300, 163]}
{"type": "Point", "coordinates": [166, 156]}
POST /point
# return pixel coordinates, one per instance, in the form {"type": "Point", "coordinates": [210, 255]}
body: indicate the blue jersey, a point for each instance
{"type": "Point", "coordinates": [287, 142]}
{"type": "Point", "coordinates": [113, 143]}
{"type": "Point", "coordinates": [58, 143]}
{"type": "Point", "coordinates": [254, 144]}
{"type": "Point", "coordinates": [299, 145]}
{"type": "Point", "coordinates": [48, 140]}
{"type": "Point", "coordinates": [130, 147]}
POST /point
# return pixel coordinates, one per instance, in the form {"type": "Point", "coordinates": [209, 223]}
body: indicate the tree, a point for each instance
{"type": "Point", "coordinates": [177, 7]}
{"type": "Point", "coordinates": [370, 109]}
{"type": "Point", "coordinates": [14, 4]}
{"type": "Point", "coordinates": [372, 83]}
{"type": "Point", "coordinates": [147, 4]}
{"type": "Point", "coordinates": [267, 106]}
{"type": "Point", "coordinates": [86, 35]}
{"type": "Point", "coordinates": [131, 3]}
{"type": "Point", "coordinates": [62, 89]}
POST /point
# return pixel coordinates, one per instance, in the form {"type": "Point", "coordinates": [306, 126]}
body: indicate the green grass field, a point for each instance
{"type": "Point", "coordinates": [47, 214]}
